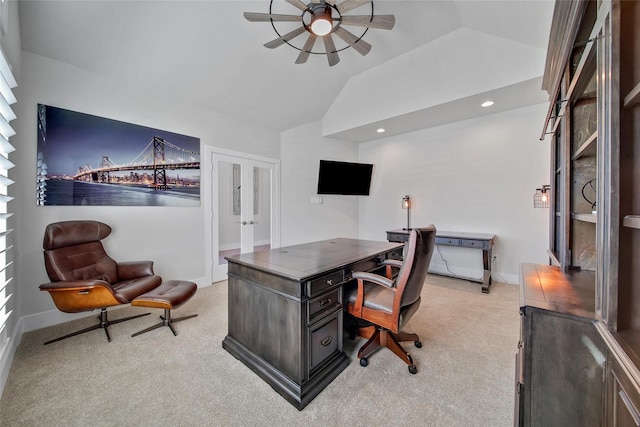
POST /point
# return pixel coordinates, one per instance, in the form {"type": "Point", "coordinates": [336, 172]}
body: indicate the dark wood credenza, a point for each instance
{"type": "Point", "coordinates": [285, 311]}
{"type": "Point", "coordinates": [561, 357]}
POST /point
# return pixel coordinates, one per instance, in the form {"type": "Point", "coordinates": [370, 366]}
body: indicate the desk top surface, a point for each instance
{"type": "Point", "coordinates": [454, 234]}
{"type": "Point", "coordinates": [300, 262]}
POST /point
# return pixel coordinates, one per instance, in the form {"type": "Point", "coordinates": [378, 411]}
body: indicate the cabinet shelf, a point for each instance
{"type": "Point", "coordinates": [589, 217]}
{"type": "Point", "coordinates": [633, 97]}
{"type": "Point", "coordinates": [588, 148]}
{"type": "Point", "coordinates": [631, 221]}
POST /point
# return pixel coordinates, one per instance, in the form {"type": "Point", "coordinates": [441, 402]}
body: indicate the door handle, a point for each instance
{"type": "Point", "coordinates": [252, 222]}
{"type": "Point", "coordinates": [241, 222]}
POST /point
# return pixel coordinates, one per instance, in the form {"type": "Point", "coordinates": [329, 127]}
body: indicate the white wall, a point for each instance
{"type": "Point", "coordinates": [478, 176]}
{"type": "Point", "coordinates": [301, 149]}
{"type": "Point", "coordinates": [172, 237]}
{"type": "Point", "coordinates": [399, 87]}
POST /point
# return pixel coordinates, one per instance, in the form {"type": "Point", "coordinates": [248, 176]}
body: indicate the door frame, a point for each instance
{"type": "Point", "coordinates": [211, 205]}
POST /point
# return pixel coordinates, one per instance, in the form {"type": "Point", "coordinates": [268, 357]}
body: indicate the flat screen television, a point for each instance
{"type": "Point", "coordinates": [344, 178]}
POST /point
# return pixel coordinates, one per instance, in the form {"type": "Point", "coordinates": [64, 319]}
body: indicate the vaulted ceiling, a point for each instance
{"type": "Point", "coordinates": [207, 53]}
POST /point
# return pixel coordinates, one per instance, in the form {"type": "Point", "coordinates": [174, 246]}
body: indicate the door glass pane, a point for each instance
{"type": "Point", "coordinates": [261, 209]}
{"type": "Point", "coordinates": [229, 209]}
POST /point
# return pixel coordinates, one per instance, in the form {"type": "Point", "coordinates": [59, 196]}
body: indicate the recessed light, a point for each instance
{"type": "Point", "coordinates": [486, 104]}
{"type": "Point", "coordinates": [381, 130]}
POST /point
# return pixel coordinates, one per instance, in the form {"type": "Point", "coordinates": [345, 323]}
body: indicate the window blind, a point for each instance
{"type": "Point", "coordinates": [7, 98]}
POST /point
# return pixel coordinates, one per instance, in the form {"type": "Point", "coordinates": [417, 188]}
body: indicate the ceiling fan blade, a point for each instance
{"type": "Point", "coordinates": [383, 22]}
{"type": "Point", "coordinates": [361, 46]}
{"type": "Point", "coordinates": [267, 17]}
{"type": "Point", "coordinates": [306, 50]}
{"type": "Point", "coordinates": [298, 4]}
{"type": "Point", "coordinates": [287, 37]}
{"type": "Point", "coordinates": [348, 5]}
{"type": "Point", "coordinates": [330, 48]}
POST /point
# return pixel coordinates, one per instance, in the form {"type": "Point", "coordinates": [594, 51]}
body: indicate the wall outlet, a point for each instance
{"type": "Point", "coordinates": [316, 200]}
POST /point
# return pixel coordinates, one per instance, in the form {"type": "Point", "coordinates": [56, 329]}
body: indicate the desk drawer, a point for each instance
{"type": "Point", "coordinates": [447, 241]}
{"type": "Point", "coordinates": [397, 237]}
{"type": "Point", "coordinates": [324, 340]}
{"type": "Point", "coordinates": [469, 243]}
{"type": "Point", "coordinates": [322, 283]}
{"type": "Point", "coordinates": [324, 304]}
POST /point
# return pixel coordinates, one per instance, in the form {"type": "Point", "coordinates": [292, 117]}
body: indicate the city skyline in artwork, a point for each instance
{"type": "Point", "coordinates": [90, 160]}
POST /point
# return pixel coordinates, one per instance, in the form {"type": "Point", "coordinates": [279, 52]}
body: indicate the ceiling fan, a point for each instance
{"type": "Point", "coordinates": [322, 19]}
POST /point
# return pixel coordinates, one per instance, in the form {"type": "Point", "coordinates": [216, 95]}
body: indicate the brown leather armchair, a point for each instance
{"type": "Point", "coordinates": [388, 304]}
{"type": "Point", "coordinates": [83, 277]}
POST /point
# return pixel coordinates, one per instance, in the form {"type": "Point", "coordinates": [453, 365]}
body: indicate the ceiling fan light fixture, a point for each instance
{"type": "Point", "coordinates": [323, 19]}
{"type": "Point", "coordinates": [322, 22]}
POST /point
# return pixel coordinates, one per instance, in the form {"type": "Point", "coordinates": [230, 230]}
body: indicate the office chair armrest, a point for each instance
{"type": "Point", "coordinates": [73, 296]}
{"type": "Point", "coordinates": [134, 269]}
{"type": "Point", "coordinates": [373, 278]}
{"type": "Point", "coordinates": [73, 285]}
{"type": "Point", "coordinates": [362, 277]}
{"type": "Point", "coordinates": [392, 263]}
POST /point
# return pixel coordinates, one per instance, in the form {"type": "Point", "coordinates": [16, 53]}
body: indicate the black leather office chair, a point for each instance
{"type": "Point", "coordinates": [389, 303]}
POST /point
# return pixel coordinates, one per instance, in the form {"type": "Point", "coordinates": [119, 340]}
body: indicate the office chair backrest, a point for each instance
{"type": "Point", "coordinates": [414, 268]}
{"type": "Point", "coordinates": [73, 251]}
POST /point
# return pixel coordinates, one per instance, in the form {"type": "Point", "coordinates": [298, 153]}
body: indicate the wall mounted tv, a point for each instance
{"type": "Point", "coordinates": [344, 178]}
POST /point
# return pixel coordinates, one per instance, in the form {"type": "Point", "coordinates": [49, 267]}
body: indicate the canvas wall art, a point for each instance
{"type": "Point", "coordinates": [86, 160]}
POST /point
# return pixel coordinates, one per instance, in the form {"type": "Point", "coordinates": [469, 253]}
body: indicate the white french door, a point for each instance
{"type": "Point", "coordinates": [244, 208]}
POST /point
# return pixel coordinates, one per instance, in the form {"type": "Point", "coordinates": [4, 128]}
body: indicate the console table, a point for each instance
{"type": "Point", "coordinates": [285, 311]}
{"type": "Point", "coordinates": [454, 238]}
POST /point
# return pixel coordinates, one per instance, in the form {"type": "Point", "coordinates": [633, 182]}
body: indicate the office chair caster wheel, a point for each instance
{"type": "Point", "coordinates": [413, 369]}
{"type": "Point", "coordinates": [418, 344]}
{"type": "Point", "coordinates": [364, 361]}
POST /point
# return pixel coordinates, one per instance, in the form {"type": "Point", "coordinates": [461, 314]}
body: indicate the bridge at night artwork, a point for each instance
{"type": "Point", "coordinates": [87, 160]}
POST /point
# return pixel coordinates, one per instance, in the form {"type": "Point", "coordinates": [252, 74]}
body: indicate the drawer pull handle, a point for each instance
{"type": "Point", "coordinates": [83, 292]}
{"type": "Point", "coordinates": [330, 282]}
{"type": "Point", "coordinates": [326, 341]}
{"type": "Point", "coordinates": [325, 302]}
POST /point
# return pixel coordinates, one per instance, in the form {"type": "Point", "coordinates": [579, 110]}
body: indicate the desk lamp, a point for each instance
{"type": "Point", "coordinates": [406, 204]}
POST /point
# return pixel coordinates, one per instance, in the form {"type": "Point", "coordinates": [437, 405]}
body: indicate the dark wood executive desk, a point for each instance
{"type": "Point", "coordinates": [285, 311]}
{"type": "Point", "coordinates": [457, 238]}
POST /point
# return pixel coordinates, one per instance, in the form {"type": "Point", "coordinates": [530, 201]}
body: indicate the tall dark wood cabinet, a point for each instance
{"type": "Point", "coordinates": [592, 75]}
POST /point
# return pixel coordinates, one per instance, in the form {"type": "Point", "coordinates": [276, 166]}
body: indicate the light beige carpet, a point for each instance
{"type": "Point", "coordinates": [465, 371]}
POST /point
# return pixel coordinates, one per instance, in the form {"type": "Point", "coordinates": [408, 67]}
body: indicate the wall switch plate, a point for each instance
{"type": "Point", "coordinates": [316, 200]}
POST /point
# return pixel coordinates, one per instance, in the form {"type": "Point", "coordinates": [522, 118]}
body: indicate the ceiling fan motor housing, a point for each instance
{"type": "Point", "coordinates": [321, 19]}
